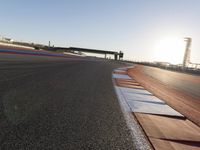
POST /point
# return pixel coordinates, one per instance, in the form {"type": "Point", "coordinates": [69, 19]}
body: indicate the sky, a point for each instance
{"type": "Point", "coordinates": [145, 30]}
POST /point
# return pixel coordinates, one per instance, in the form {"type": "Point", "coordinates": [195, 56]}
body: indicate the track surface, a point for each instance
{"type": "Point", "coordinates": [60, 104]}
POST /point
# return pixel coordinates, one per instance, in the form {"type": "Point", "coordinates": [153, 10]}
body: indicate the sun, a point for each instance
{"type": "Point", "coordinates": [169, 49]}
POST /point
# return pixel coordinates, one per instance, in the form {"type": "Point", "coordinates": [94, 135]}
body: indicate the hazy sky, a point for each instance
{"type": "Point", "coordinates": [134, 26]}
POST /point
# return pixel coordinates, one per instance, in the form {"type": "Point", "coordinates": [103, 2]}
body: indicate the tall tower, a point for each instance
{"type": "Point", "coordinates": [186, 59]}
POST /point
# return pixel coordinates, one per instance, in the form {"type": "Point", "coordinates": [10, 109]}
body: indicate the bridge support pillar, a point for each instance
{"type": "Point", "coordinates": [116, 56]}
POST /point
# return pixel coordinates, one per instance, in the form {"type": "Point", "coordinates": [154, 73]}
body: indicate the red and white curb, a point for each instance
{"type": "Point", "coordinates": [135, 99]}
{"type": "Point", "coordinates": [139, 139]}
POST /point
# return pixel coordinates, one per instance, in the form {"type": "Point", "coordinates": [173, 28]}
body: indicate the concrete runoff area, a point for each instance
{"type": "Point", "coordinates": [182, 96]}
{"type": "Point", "coordinates": [185, 82]}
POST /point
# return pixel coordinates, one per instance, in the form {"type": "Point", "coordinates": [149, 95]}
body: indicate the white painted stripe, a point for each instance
{"type": "Point", "coordinates": [121, 71]}
{"type": "Point", "coordinates": [130, 67]}
{"type": "Point", "coordinates": [143, 97]}
{"type": "Point", "coordinates": [142, 101]}
{"type": "Point", "coordinates": [122, 68]}
{"type": "Point", "coordinates": [152, 108]}
{"type": "Point", "coordinates": [139, 139]}
{"type": "Point", "coordinates": [121, 76]}
{"type": "Point", "coordinates": [122, 99]}
{"type": "Point", "coordinates": [134, 91]}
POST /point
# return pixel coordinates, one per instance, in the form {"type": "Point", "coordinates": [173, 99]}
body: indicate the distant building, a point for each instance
{"type": "Point", "coordinates": [7, 39]}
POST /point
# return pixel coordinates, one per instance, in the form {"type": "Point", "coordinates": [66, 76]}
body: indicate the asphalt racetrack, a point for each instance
{"type": "Point", "coordinates": [58, 103]}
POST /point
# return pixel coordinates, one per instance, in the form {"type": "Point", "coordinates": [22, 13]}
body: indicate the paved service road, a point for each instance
{"type": "Point", "coordinates": [179, 90]}
{"type": "Point", "coordinates": [185, 82]}
{"type": "Point", "coordinates": [60, 105]}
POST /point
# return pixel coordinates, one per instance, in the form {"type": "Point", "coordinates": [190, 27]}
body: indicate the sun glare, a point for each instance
{"type": "Point", "coordinates": [169, 49]}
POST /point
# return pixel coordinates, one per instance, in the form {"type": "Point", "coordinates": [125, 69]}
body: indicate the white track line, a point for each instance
{"type": "Point", "coordinates": [139, 139]}
{"type": "Point", "coordinates": [121, 76]}
{"type": "Point", "coordinates": [121, 71]}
